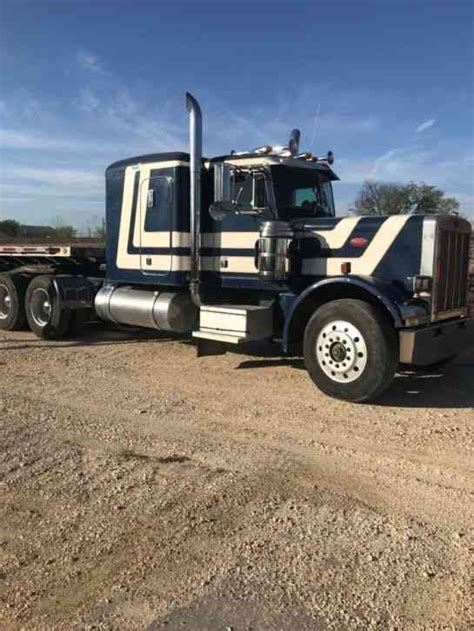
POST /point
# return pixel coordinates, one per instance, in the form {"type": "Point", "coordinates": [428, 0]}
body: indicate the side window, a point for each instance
{"type": "Point", "coordinates": [159, 204]}
{"type": "Point", "coordinates": [250, 189]}
{"type": "Point", "coordinates": [243, 189]}
{"type": "Point", "coordinates": [260, 195]}
{"type": "Point", "coordinates": [305, 195]}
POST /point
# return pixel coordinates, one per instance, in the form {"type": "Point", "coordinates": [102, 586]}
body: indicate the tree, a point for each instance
{"type": "Point", "coordinates": [65, 232]}
{"type": "Point", "coordinates": [387, 198]}
{"type": "Point", "coordinates": [99, 232]}
{"type": "Point", "coordinates": [429, 200]}
{"type": "Point", "coordinates": [10, 227]}
{"type": "Point", "coordinates": [62, 230]}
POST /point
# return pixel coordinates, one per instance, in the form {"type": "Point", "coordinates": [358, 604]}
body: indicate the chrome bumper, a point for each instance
{"type": "Point", "coordinates": [426, 345]}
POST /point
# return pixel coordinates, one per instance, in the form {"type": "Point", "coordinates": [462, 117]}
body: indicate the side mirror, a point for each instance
{"type": "Point", "coordinates": [223, 189]}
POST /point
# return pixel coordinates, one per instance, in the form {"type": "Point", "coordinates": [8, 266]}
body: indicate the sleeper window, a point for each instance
{"type": "Point", "coordinates": [158, 207]}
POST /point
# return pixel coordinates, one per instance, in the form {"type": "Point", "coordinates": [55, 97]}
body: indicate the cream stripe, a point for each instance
{"type": "Point", "coordinates": [366, 264]}
{"type": "Point", "coordinates": [125, 260]}
{"type": "Point", "coordinates": [335, 239]}
{"type": "Point", "coordinates": [243, 240]}
{"type": "Point", "coordinates": [235, 264]}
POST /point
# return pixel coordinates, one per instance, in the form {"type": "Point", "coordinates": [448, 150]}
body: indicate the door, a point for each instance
{"type": "Point", "coordinates": [236, 234]}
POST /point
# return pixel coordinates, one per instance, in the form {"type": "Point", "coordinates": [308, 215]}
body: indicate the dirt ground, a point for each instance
{"type": "Point", "coordinates": [142, 488]}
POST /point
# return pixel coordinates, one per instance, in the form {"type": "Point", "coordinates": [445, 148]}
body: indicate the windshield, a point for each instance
{"type": "Point", "coordinates": [302, 193]}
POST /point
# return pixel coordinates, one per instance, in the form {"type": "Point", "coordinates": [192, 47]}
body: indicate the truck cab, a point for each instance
{"type": "Point", "coordinates": [247, 247]}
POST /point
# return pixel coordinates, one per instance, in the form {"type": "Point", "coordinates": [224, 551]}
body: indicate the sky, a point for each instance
{"type": "Point", "coordinates": [387, 85]}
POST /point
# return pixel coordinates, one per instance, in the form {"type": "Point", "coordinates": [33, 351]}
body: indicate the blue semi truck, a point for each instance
{"type": "Point", "coordinates": [246, 247]}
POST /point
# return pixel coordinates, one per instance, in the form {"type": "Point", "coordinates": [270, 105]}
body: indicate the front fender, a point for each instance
{"type": "Point", "coordinates": [388, 295]}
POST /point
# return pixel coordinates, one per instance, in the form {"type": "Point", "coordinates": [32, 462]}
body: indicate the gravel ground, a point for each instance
{"type": "Point", "coordinates": [142, 488]}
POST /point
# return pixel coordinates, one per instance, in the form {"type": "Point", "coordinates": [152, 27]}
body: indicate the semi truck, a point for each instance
{"type": "Point", "coordinates": [246, 247]}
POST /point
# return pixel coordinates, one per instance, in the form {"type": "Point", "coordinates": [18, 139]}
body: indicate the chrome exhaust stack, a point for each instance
{"type": "Point", "coordinates": [294, 142]}
{"type": "Point", "coordinates": [195, 168]}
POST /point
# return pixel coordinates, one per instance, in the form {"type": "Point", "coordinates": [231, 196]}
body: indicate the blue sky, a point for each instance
{"type": "Point", "coordinates": [386, 84]}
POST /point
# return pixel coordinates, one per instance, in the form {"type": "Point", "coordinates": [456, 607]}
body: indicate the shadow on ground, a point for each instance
{"type": "Point", "coordinates": [94, 334]}
{"type": "Point", "coordinates": [450, 387]}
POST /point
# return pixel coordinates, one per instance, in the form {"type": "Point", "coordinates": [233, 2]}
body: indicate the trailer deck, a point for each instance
{"type": "Point", "coordinates": [59, 254]}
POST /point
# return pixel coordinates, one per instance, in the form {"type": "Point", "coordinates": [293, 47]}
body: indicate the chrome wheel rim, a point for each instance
{"type": "Point", "coordinates": [5, 302]}
{"type": "Point", "coordinates": [40, 307]}
{"type": "Point", "coordinates": [341, 351]}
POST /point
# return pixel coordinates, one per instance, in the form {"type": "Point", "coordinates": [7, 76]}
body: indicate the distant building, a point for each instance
{"type": "Point", "coordinates": [38, 232]}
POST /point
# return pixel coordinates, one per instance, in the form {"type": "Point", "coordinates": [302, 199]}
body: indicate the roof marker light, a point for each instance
{"type": "Point", "coordinates": [264, 149]}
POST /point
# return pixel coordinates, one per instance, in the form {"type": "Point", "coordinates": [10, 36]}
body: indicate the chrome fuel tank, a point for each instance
{"type": "Point", "coordinates": [162, 310]}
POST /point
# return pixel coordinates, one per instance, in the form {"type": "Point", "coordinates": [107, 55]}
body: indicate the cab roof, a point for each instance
{"type": "Point", "coordinates": [255, 159]}
{"type": "Point", "coordinates": [243, 159]}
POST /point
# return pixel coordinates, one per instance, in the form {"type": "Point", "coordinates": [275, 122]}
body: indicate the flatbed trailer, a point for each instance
{"type": "Point", "coordinates": [67, 274]}
{"type": "Point", "coordinates": [58, 255]}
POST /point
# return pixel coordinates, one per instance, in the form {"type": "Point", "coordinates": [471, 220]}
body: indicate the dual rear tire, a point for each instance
{"type": "Point", "coordinates": [12, 301]}
{"type": "Point", "coordinates": [34, 303]}
{"type": "Point", "coordinates": [45, 315]}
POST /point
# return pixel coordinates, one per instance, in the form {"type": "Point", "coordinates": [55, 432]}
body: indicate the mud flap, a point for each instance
{"type": "Point", "coordinates": [206, 348]}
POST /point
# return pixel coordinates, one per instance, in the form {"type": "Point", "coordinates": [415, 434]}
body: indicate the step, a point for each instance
{"type": "Point", "coordinates": [219, 337]}
{"type": "Point", "coordinates": [235, 323]}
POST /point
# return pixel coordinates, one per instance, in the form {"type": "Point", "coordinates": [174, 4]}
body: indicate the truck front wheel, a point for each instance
{"type": "Point", "coordinates": [12, 298]}
{"type": "Point", "coordinates": [350, 350]}
{"type": "Point", "coordinates": [45, 314]}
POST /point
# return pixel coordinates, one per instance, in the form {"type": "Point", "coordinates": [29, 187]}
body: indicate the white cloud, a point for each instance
{"type": "Point", "coordinates": [56, 177]}
{"type": "Point", "coordinates": [90, 62]}
{"type": "Point", "coordinates": [88, 101]}
{"type": "Point", "coordinates": [426, 125]}
{"type": "Point", "coordinates": [11, 139]}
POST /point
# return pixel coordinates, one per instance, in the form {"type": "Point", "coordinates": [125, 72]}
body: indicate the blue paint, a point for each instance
{"type": "Point", "coordinates": [387, 295]}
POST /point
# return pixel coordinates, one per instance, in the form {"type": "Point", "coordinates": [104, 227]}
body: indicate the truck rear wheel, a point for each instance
{"type": "Point", "coordinates": [12, 301]}
{"type": "Point", "coordinates": [46, 317]}
{"type": "Point", "coordinates": [350, 350]}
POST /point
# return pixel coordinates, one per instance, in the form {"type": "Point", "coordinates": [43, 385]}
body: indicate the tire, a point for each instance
{"type": "Point", "coordinates": [12, 301]}
{"type": "Point", "coordinates": [46, 318]}
{"type": "Point", "coordinates": [350, 350]}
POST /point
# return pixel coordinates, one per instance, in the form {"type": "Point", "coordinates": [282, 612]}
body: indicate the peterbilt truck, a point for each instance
{"type": "Point", "coordinates": [246, 247]}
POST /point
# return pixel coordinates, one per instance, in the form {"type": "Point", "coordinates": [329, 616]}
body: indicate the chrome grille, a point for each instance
{"type": "Point", "coordinates": [450, 279]}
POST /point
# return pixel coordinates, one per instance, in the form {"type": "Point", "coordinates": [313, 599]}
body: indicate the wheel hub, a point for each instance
{"type": "Point", "coordinates": [341, 351]}
{"type": "Point", "coordinates": [5, 302]}
{"type": "Point", "coordinates": [40, 307]}
{"type": "Point", "coordinates": [337, 352]}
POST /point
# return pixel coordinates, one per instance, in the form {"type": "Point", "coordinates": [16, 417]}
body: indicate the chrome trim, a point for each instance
{"type": "Point", "coordinates": [195, 167]}
{"type": "Point", "coordinates": [5, 302]}
{"type": "Point", "coordinates": [40, 307]}
{"type": "Point", "coordinates": [428, 241]}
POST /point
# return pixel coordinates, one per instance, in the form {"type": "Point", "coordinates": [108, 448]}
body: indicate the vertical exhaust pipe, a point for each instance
{"type": "Point", "coordinates": [195, 167]}
{"type": "Point", "coordinates": [294, 142]}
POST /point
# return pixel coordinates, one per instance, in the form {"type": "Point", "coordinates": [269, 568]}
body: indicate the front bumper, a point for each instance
{"type": "Point", "coordinates": [426, 345]}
